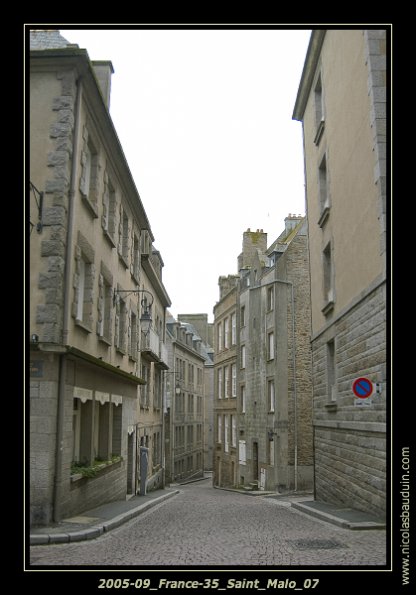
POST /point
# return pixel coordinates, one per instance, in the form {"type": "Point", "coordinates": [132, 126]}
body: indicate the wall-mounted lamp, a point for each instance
{"type": "Point", "coordinates": [34, 338]}
{"type": "Point", "coordinates": [178, 389]}
{"type": "Point", "coordinates": [146, 317]}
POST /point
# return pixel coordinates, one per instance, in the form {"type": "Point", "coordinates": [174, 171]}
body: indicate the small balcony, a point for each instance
{"type": "Point", "coordinates": [154, 350]}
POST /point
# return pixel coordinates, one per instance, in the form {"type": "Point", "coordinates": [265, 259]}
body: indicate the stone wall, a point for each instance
{"type": "Point", "coordinates": [350, 440]}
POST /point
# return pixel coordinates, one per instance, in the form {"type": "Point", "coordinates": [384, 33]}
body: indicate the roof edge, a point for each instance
{"type": "Point", "coordinates": [311, 61]}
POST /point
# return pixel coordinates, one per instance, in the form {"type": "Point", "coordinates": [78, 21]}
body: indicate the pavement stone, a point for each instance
{"type": "Point", "coordinates": [202, 526]}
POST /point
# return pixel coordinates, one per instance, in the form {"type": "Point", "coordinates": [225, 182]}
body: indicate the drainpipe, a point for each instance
{"type": "Point", "coordinates": [65, 323]}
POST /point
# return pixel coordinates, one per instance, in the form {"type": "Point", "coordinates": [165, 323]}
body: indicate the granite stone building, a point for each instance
{"type": "Point", "coordinates": [264, 409]}
{"type": "Point", "coordinates": [96, 373]}
{"type": "Point", "coordinates": [190, 362]}
{"type": "Point", "coordinates": [226, 384]}
{"type": "Point", "coordinates": [341, 103]}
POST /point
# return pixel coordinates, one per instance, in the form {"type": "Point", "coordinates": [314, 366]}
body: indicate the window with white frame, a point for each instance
{"type": "Point", "coordinates": [226, 382]}
{"type": "Point", "coordinates": [242, 452]}
{"type": "Point", "coordinates": [133, 335]}
{"type": "Point", "coordinates": [243, 398]}
{"type": "Point", "coordinates": [123, 239]}
{"type": "Point", "coordinates": [328, 287]}
{"type": "Point", "coordinates": [270, 395]}
{"type": "Point", "coordinates": [243, 356]}
{"type": "Point", "coordinates": [120, 324]}
{"type": "Point", "coordinates": [136, 258]}
{"type": "Point", "coordinates": [226, 333]}
{"type": "Point", "coordinates": [219, 336]}
{"type": "Point", "coordinates": [219, 429]}
{"type": "Point", "coordinates": [270, 298]}
{"type": "Point", "coordinates": [242, 316]}
{"type": "Point", "coordinates": [233, 431]}
{"type": "Point", "coordinates": [219, 379]}
{"type": "Point", "coordinates": [88, 184]}
{"type": "Point", "coordinates": [270, 345]}
{"type": "Point", "coordinates": [226, 433]}
{"type": "Point", "coordinates": [233, 329]}
{"type": "Point", "coordinates": [233, 380]}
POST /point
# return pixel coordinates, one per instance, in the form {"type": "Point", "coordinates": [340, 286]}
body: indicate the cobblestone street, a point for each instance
{"type": "Point", "coordinates": [203, 526]}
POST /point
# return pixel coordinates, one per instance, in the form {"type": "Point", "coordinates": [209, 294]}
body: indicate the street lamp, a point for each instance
{"type": "Point", "coordinates": [146, 316]}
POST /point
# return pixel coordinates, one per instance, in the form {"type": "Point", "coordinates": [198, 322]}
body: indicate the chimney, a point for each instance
{"type": "Point", "coordinates": [103, 69]}
{"type": "Point", "coordinates": [291, 221]}
{"type": "Point", "coordinates": [253, 241]}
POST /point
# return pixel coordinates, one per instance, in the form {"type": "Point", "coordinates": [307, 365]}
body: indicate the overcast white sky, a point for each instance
{"type": "Point", "coordinates": [205, 121]}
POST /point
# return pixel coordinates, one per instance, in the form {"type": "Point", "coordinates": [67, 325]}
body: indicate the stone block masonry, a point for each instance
{"type": "Point", "coordinates": [350, 441]}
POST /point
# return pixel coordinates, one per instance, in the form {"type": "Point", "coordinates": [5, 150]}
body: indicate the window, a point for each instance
{"type": "Point", "coordinates": [82, 309]}
{"type": "Point", "coordinates": [123, 237]}
{"type": "Point", "coordinates": [242, 452]}
{"type": "Point", "coordinates": [108, 220]}
{"type": "Point", "coordinates": [330, 371]}
{"type": "Point", "coordinates": [226, 432]}
{"type": "Point", "coordinates": [319, 110]}
{"type": "Point", "coordinates": [233, 380]}
{"type": "Point", "coordinates": [270, 395]}
{"type": "Point", "coordinates": [96, 426]}
{"type": "Point", "coordinates": [243, 356]}
{"type": "Point", "coordinates": [226, 333]}
{"type": "Point", "coordinates": [144, 388]}
{"type": "Point", "coordinates": [324, 202]}
{"type": "Point", "coordinates": [226, 382]}
{"type": "Point", "coordinates": [120, 324]}
{"type": "Point", "coordinates": [328, 288]}
{"type": "Point", "coordinates": [219, 331]}
{"type": "Point", "coordinates": [233, 431]}
{"type": "Point", "coordinates": [133, 336]}
{"type": "Point", "coordinates": [271, 451]}
{"type": "Point", "coordinates": [136, 258]}
{"type": "Point", "coordinates": [219, 378]}
{"type": "Point", "coordinates": [270, 298]}
{"type": "Point", "coordinates": [105, 304]}
{"type": "Point", "coordinates": [219, 429]}
{"type": "Point", "coordinates": [242, 316]}
{"type": "Point", "coordinates": [89, 173]}
{"type": "Point", "coordinates": [270, 346]}
{"type": "Point", "coordinates": [243, 399]}
{"type": "Point", "coordinates": [233, 329]}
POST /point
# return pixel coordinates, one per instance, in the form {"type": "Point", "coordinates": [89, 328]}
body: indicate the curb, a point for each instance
{"type": "Point", "coordinates": [97, 530]}
{"type": "Point", "coordinates": [336, 520]}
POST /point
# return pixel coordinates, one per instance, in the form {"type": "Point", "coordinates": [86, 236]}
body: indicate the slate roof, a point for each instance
{"type": "Point", "coordinates": [48, 39]}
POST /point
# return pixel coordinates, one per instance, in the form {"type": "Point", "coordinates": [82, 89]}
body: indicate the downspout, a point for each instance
{"type": "Point", "coordinates": [65, 323]}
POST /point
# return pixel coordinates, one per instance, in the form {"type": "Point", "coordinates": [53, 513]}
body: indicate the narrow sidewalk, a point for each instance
{"type": "Point", "coordinates": [93, 523]}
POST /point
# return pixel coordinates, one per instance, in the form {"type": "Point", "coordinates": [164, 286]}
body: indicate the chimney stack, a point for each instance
{"type": "Point", "coordinates": [103, 69]}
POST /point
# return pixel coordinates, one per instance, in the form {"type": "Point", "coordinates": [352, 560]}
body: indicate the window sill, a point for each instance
{"type": "Point", "coordinates": [91, 207]}
{"type": "Point", "coordinates": [120, 350]}
{"type": "Point", "coordinates": [324, 216]}
{"type": "Point", "coordinates": [331, 406]}
{"type": "Point", "coordinates": [105, 340]}
{"type": "Point", "coordinates": [327, 309]}
{"type": "Point", "coordinates": [123, 260]}
{"type": "Point", "coordinates": [133, 358]}
{"type": "Point", "coordinates": [319, 132]}
{"type": "Point", "coordinates": [109, 238]}
{"type": "Point", "coordinates": [83, 326]}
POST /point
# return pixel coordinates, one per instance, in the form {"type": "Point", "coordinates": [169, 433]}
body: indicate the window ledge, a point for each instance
{"type": "Point", "coordinates": [319, 132]}
{"type": "Point", "coordinates": [92, 207]}
{"type": "Point", "coordinates": [82, 325]}
{"type": "Point", "coordinates": [123, 260]}
{"type": "Point", "coordinates": [105, 340]}
{"type": "Point", "coordinates": [329, 306]}
{"type": "Point", "coordinates": [324, 216]}
{"type": "Point", "coordinates": [109, 237]}
{"type": "Point", "coordinates": [331, 406]}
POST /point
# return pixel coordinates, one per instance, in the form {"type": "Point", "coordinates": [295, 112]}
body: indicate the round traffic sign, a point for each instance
{"type": "Point", "coordinates": [362, 388]}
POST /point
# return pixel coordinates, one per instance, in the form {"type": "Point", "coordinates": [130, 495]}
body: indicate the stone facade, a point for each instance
{"type": "Point", "coordinates": [225, 461]}
{"type": "Point", "coordinates": [266, 309]}
{"type": "Point", "coordinates": [342, 105]}
{"type": "Point", "coordinates": [189, 360]}
{"type": "Point", "coordinates": [91, 265]}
